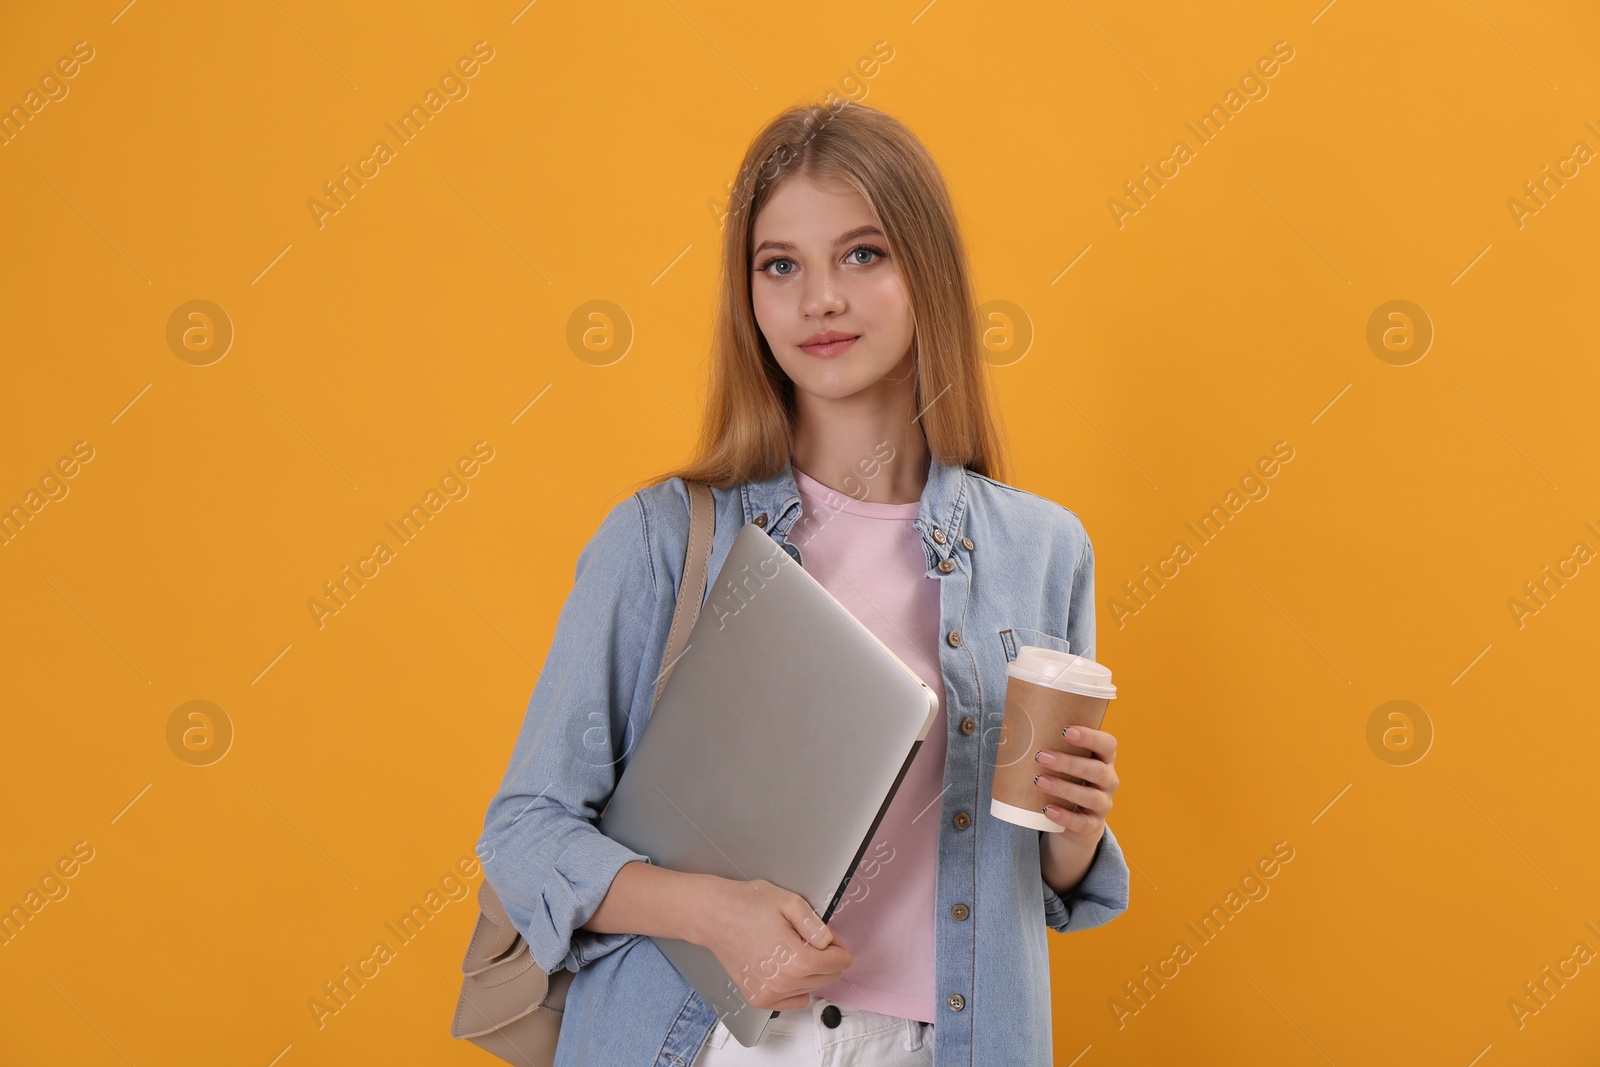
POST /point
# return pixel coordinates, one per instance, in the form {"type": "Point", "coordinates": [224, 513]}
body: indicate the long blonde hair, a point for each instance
{"type": "Point", "coordinates": [747, 430]}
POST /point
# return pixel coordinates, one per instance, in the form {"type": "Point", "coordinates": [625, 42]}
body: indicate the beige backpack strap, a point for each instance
{"type": "Point", "coordinates": [692, 586]}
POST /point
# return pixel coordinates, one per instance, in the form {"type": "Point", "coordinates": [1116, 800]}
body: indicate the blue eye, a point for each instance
{"type": "Point", "coordinates": [879, 253]}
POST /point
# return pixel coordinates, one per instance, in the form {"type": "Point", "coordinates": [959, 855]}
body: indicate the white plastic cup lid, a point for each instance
{"type": "Point", "coordinates": [1062, 670]}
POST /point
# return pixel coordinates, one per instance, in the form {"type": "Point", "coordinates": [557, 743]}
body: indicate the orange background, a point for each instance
{"type": "Point", "coordinates": [587, 161]}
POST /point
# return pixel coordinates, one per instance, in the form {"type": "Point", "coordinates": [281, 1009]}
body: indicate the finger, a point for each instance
{"type": "Point", "coordinates": [809, 962]}
{"type": "Point", "coordinates": [1076, 822]}
{"type": "Point", "coordinates": [807, 923]}
{"type": "Point", "coordinates": [815, 979]}
{"type": "Point", "coordinates": [1090, 799]}
{"type": "Point", "coordinates": [1084, 767]}
{"type": "Point", "coordinates": [1101, 743]}
{"type": "Point", "coordinates": [836, 955]}
{"type": "Point", "coordinates": [818, 981]}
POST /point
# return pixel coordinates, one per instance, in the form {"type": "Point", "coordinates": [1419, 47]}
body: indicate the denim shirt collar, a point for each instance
{"type": "Point", "coordinates": [774, 503]}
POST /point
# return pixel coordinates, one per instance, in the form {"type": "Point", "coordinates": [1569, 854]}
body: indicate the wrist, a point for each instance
{"type": "Point", "coordinates": [1068, 843]}
{"type": "Point", "coordinates": [1065, 858]}
{"type": "Point", "coordinates": [699, 906]}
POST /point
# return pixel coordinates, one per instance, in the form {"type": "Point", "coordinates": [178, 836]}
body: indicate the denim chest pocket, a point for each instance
{"type": "Point", "coordinates": [1013, 637]}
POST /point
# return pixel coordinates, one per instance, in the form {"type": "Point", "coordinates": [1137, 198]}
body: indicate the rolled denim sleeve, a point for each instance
{"type": "Point", "coordinates": [1101, 896]}
{"type": "Point", "coordinates": [542, 851]}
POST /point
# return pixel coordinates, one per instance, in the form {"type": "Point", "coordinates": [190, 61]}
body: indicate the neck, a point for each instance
{"type": "Point", "coordinates": [868, 446]}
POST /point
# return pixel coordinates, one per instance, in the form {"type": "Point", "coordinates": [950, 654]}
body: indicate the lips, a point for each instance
{"type": "Point", "coordinates": [827, 344]}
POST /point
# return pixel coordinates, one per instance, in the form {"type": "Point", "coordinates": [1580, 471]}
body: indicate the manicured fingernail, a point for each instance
{"type": "Point", "coordinates": [1042, 756]}
{"type": "Point", "coordinates": [1071, 731]}
{"type": "Point", "coordinates": [1051, 810]}
{"type": "Point", "coordinates": [1037, 777]}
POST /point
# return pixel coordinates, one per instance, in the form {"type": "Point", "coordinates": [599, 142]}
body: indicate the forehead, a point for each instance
{"type": "Point", "coordinates": [807, 210]}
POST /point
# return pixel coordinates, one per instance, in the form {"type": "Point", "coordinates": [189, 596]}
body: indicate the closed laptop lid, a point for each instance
{"type": "Point", "coordinates": [777, 743]}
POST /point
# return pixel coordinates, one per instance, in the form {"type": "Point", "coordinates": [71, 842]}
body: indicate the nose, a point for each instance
{"type": "Point", "coordinates": [821, 295]}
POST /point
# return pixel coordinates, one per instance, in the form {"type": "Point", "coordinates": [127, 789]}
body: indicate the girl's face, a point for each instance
{"type": "Point", "coordinates": [822, 266]}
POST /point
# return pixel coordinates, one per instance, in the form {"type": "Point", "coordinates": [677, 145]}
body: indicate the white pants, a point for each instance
{"type": "Point", "coordinates": [799, 1038]}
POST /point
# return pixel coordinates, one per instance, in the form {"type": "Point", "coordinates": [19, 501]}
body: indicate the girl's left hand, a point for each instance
{"type": "Point", "coordinates": [1083, 785]}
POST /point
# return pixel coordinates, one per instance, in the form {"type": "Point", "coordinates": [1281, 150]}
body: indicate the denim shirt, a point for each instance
{"type": "Point", "coordinates": [1013, 568]}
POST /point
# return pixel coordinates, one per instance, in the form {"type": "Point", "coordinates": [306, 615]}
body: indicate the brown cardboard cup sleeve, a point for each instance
{"type": "Point", "coordinates": [1035, 715]}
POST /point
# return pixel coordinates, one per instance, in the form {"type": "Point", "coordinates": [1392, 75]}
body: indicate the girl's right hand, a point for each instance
{"type": "Point", "coordinates": [775, 947]}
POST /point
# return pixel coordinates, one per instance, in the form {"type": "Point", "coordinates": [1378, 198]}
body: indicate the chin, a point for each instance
{"type": "Point", "coordinates": [835, 379]}
{"type": "Point", "coordinates": [834, 388]}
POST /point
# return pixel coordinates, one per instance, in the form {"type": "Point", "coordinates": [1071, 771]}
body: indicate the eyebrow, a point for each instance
{"type": "Point", "coordinates": [843, 238]}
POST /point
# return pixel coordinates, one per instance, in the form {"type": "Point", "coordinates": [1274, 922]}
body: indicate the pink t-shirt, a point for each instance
{"type": "Point", "coordinates": [870, 557]}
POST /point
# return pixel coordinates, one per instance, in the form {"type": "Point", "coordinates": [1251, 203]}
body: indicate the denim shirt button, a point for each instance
{"type": "Point", "coordinates": [966, 543]}
{"type": "Point", "coordinates": [946, 566]}
{"type": "Point", "coordinates": [761, 520]}
{"type": "Point", "coordinates": [968, 725]}
{"type": "Point", "coordinates": [956, 1002]}
{"type": "Point", "coordinates": [961, 820]}
{"type": "Point", "coordinates": [954, 636]}
{"type": "Point", "coordinates": [960, 911]}
{"type": "Point", "coordinates": [938, 535]}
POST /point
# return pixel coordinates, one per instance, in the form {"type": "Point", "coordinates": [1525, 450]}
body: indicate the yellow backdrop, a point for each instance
{"type": "Point", "coordinates": [1293, 305]}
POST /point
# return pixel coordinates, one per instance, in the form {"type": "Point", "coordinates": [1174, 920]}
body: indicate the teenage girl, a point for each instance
{"type": "Point", "coordinates": [848, 416]}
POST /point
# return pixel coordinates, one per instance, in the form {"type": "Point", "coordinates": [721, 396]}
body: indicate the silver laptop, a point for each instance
{"type": "Point", "coordinates": [779, 739]}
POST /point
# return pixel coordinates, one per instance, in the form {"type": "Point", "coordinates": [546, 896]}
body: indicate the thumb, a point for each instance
{"type": "Point", "coordinates": [811, 927]}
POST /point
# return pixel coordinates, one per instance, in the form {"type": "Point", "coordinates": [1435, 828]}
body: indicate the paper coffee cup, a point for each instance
{"type": "Point", "coordinates": [1046, 691]}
